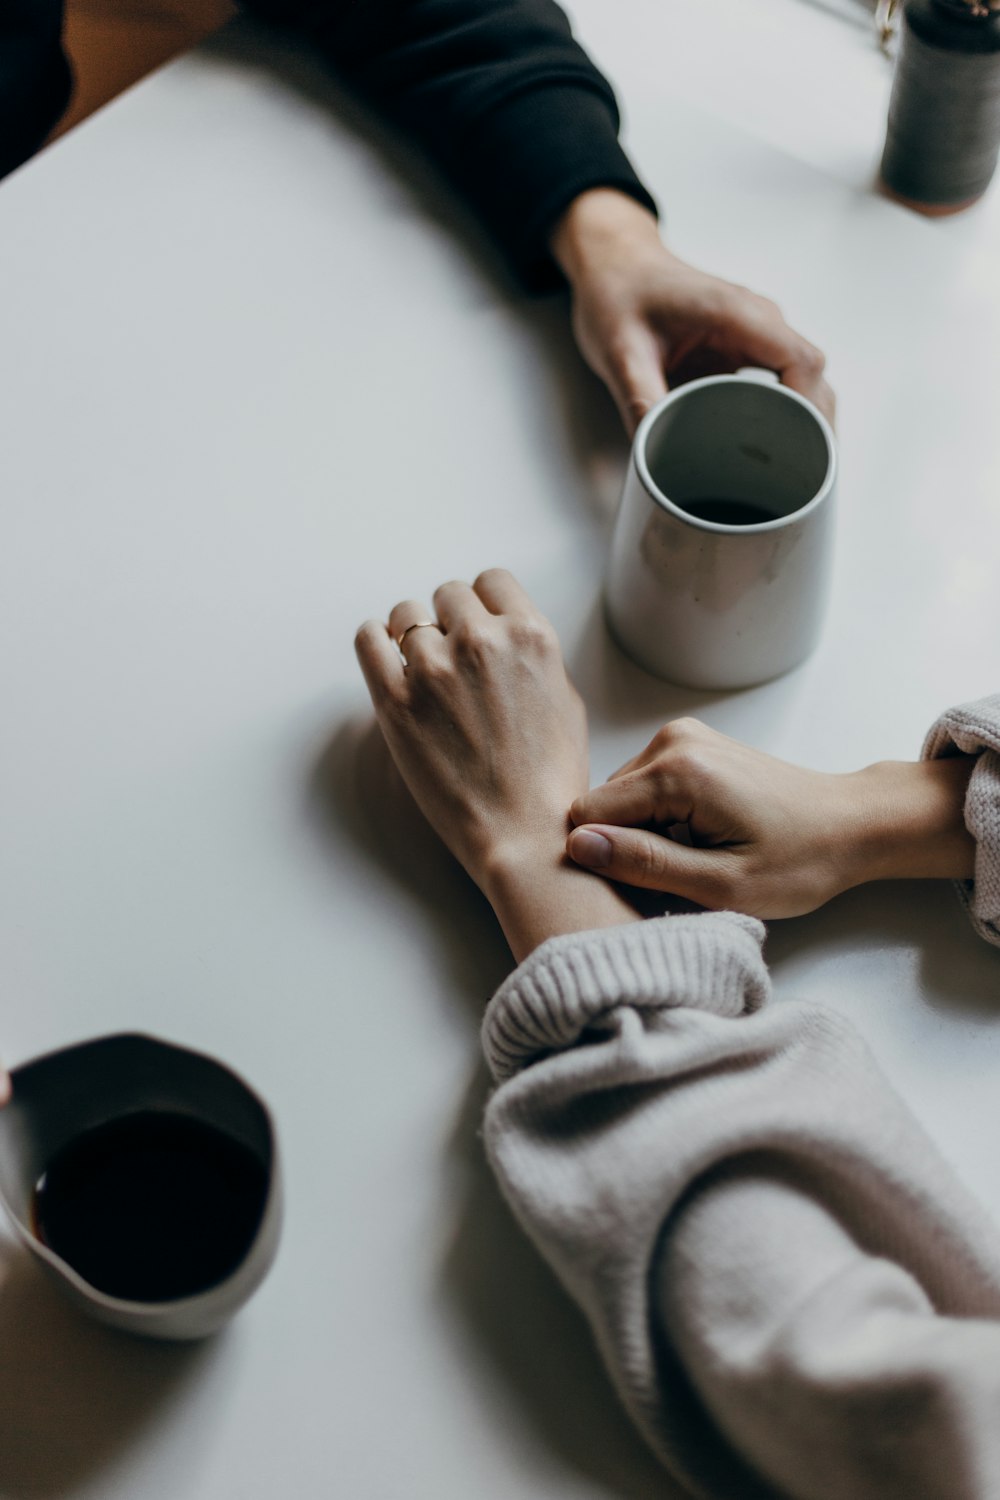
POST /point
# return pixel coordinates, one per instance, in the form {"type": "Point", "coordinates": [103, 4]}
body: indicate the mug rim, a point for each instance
{"type": "Point", "coordinates": [779, 523]}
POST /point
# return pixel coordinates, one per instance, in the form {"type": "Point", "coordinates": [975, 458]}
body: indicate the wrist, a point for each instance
{"type": "Point", "coordinates": [506, 867]}
{"type": "Point", "coordinates": [910, 821]}
{"type": "Point", "coordinates": [602, 224]}
{"type": "Point", "coordinates": [537, 893]}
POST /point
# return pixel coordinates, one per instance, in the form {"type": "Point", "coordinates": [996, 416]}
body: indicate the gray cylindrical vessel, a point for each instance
{"type": "Point", "coordinates": [943, 133]}
{"type": "Point", "coordinates": [714, 604]}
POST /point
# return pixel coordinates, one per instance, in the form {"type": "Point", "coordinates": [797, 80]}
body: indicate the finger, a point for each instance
{"type": "Point", "coordinates": [646, 754]}
{"type": "Point", "coordinates": [379, 660]}
{"type": "Point", "coordinates": [812, 385]}
{"type": "Point", "coordinates": [649, 796]}
{"type": "Point", "coordinates": [823, 396]}
{"type": "Point", "coordinates": [652, 752]}
{"type": "Point", "coordinates": [676, 734]}
{"type": "Point", "coordinates": [4, 1086]}
{"type": "Point", "coordinates": [769, 340]}
{"type": "Point", "coordinates": [635, 376]}
{"type": "Point", "coordinates": [457, 604]}
{"type": "Point", "coordinates": [502, 594]}
{"type": "Point", "coordinates": [419, 641]}
{"type": "Point", "coordinates": [633, 856]}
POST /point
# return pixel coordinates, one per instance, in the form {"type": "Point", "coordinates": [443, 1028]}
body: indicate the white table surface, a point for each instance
{"type": "Point", "coordinates": [254, 389]}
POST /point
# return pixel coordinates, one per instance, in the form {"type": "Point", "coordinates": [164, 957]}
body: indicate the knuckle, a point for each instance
{"type": "Point", "coordinates": [648, 860]}
{"type": "Point", "coordinates": [492, 575]}
{"type": "Point", "coordinates": [532, 633]}
{"type": "Point", "coordinates": [813, 359]}
{"type": "Point", "coordinates": [679, 732]}
{"type": "Point", "coordinates": [473, 643]}
{"type": "Point", "coordinates": [688, 766]}
{"type": "Point", "coordinates": [429, 674]}
{"type": "Point", "coordinates": [618, 351]}
{"type": "Point", "coordinates": [686, 728]}
{"type": "Point", "coordinates": [729, 303]}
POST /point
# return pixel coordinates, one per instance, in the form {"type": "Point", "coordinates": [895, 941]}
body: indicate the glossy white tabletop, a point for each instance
{"type": "Point", "coordinates": [256, 387]}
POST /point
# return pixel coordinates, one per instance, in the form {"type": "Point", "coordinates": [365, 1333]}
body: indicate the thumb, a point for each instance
{"type": "Point", "coordinates": [635, 377]}
{"type": "Point", "coordinates": [4, 1085]}
{"type": "Point", "coordinates": [635, 856]}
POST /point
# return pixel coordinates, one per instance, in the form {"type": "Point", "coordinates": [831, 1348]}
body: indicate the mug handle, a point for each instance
{"type": "Point", "coordinates": [763, 377]}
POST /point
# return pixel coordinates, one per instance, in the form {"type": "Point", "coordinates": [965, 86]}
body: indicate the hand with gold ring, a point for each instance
{"type": "Point", "coordinates": [417, 625]}
{"type": "Point", "coordinates": [490, 736]}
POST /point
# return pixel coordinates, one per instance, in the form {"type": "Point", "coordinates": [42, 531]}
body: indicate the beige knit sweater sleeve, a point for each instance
{"type": "Point", "coordinates": [792, 1291]}
{"type": "Point", "coordinates": [974, 729]}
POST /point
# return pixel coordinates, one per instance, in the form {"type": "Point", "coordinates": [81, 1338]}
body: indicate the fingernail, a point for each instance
{"type": "Point", "coordinates": [591, 849]}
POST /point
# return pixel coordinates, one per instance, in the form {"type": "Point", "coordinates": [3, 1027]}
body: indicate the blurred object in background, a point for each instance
{"type": "Point", "coordinates": [887, 23]}
{"type": "Point", "coordinates": [111, 44]}
{"type": "Point", "coordinates": [62, 59]}
{"type": "Point", "coordinates": [944, 116]}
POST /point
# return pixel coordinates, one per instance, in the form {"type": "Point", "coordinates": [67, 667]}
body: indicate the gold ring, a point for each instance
{"type": "Point", "coordinates": [417, 625]}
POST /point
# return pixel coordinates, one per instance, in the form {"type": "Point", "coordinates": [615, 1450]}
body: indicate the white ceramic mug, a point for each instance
{"type": "Point", "coordinates": [55, 1099]}
{"type": "Point", "coordinates": [724, 602]}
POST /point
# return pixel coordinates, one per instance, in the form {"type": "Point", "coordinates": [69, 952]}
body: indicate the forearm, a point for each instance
{"type": "Point", "coordinates": [746, 1213]}
{"type": "Point", "coordinates": [834, 1371]}
{"type": "Point", "coordinates": [497, 92]}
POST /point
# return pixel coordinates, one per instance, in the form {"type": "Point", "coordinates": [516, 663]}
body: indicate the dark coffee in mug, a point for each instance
{"type": "Point", "coordinates": [727, 512]}
{"type": "Point", "coordinates": [151, 1206]}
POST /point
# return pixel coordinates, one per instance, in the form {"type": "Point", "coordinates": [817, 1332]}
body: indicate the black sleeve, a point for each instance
{"type": "Point", "coordinates": [497, 92]}
{"type": "Point", "coordinates": [34, 77]}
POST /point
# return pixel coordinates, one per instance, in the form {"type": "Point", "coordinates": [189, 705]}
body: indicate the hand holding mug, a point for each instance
{"type": "Point", "coordinates": [768, 838]}
{"type": "Point", "coordinates": [643, 317]}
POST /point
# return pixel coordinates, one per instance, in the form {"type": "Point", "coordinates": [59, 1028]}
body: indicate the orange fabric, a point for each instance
{"type": "Point", "coordinates": [113, 43]}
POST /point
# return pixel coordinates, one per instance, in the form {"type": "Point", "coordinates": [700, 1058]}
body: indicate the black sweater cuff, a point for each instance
{"type": "Point", "coordinates": [523, 162]}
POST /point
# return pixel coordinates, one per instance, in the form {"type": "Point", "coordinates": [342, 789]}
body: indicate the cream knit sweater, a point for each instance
{"type": "Point", "coordinates": [793, 1293]}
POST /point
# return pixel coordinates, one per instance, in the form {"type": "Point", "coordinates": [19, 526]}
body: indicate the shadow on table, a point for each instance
{"type": "Point", "coordinates": [360, 796]}
{"type": "Point", "coordinates": [591, 427]}
{"type": "Point", "coordinates": [525, 1330]}
{"type": "Point", "coordinates": [520, 1325]}
{"type": "Point", "coordinates": [73, 1395]}
{"type": "Point", "coordinates": [620, 694]}
{"type": "Point", "coordinates": [957, 970]}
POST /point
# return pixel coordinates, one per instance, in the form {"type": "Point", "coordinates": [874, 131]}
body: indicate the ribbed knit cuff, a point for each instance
{"type": "Point", "coordinates": [974, 729]}
{"type": "Point", "coordinates": [710, 961]}
{"type": "Point", "coordinates": [523, 162]}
